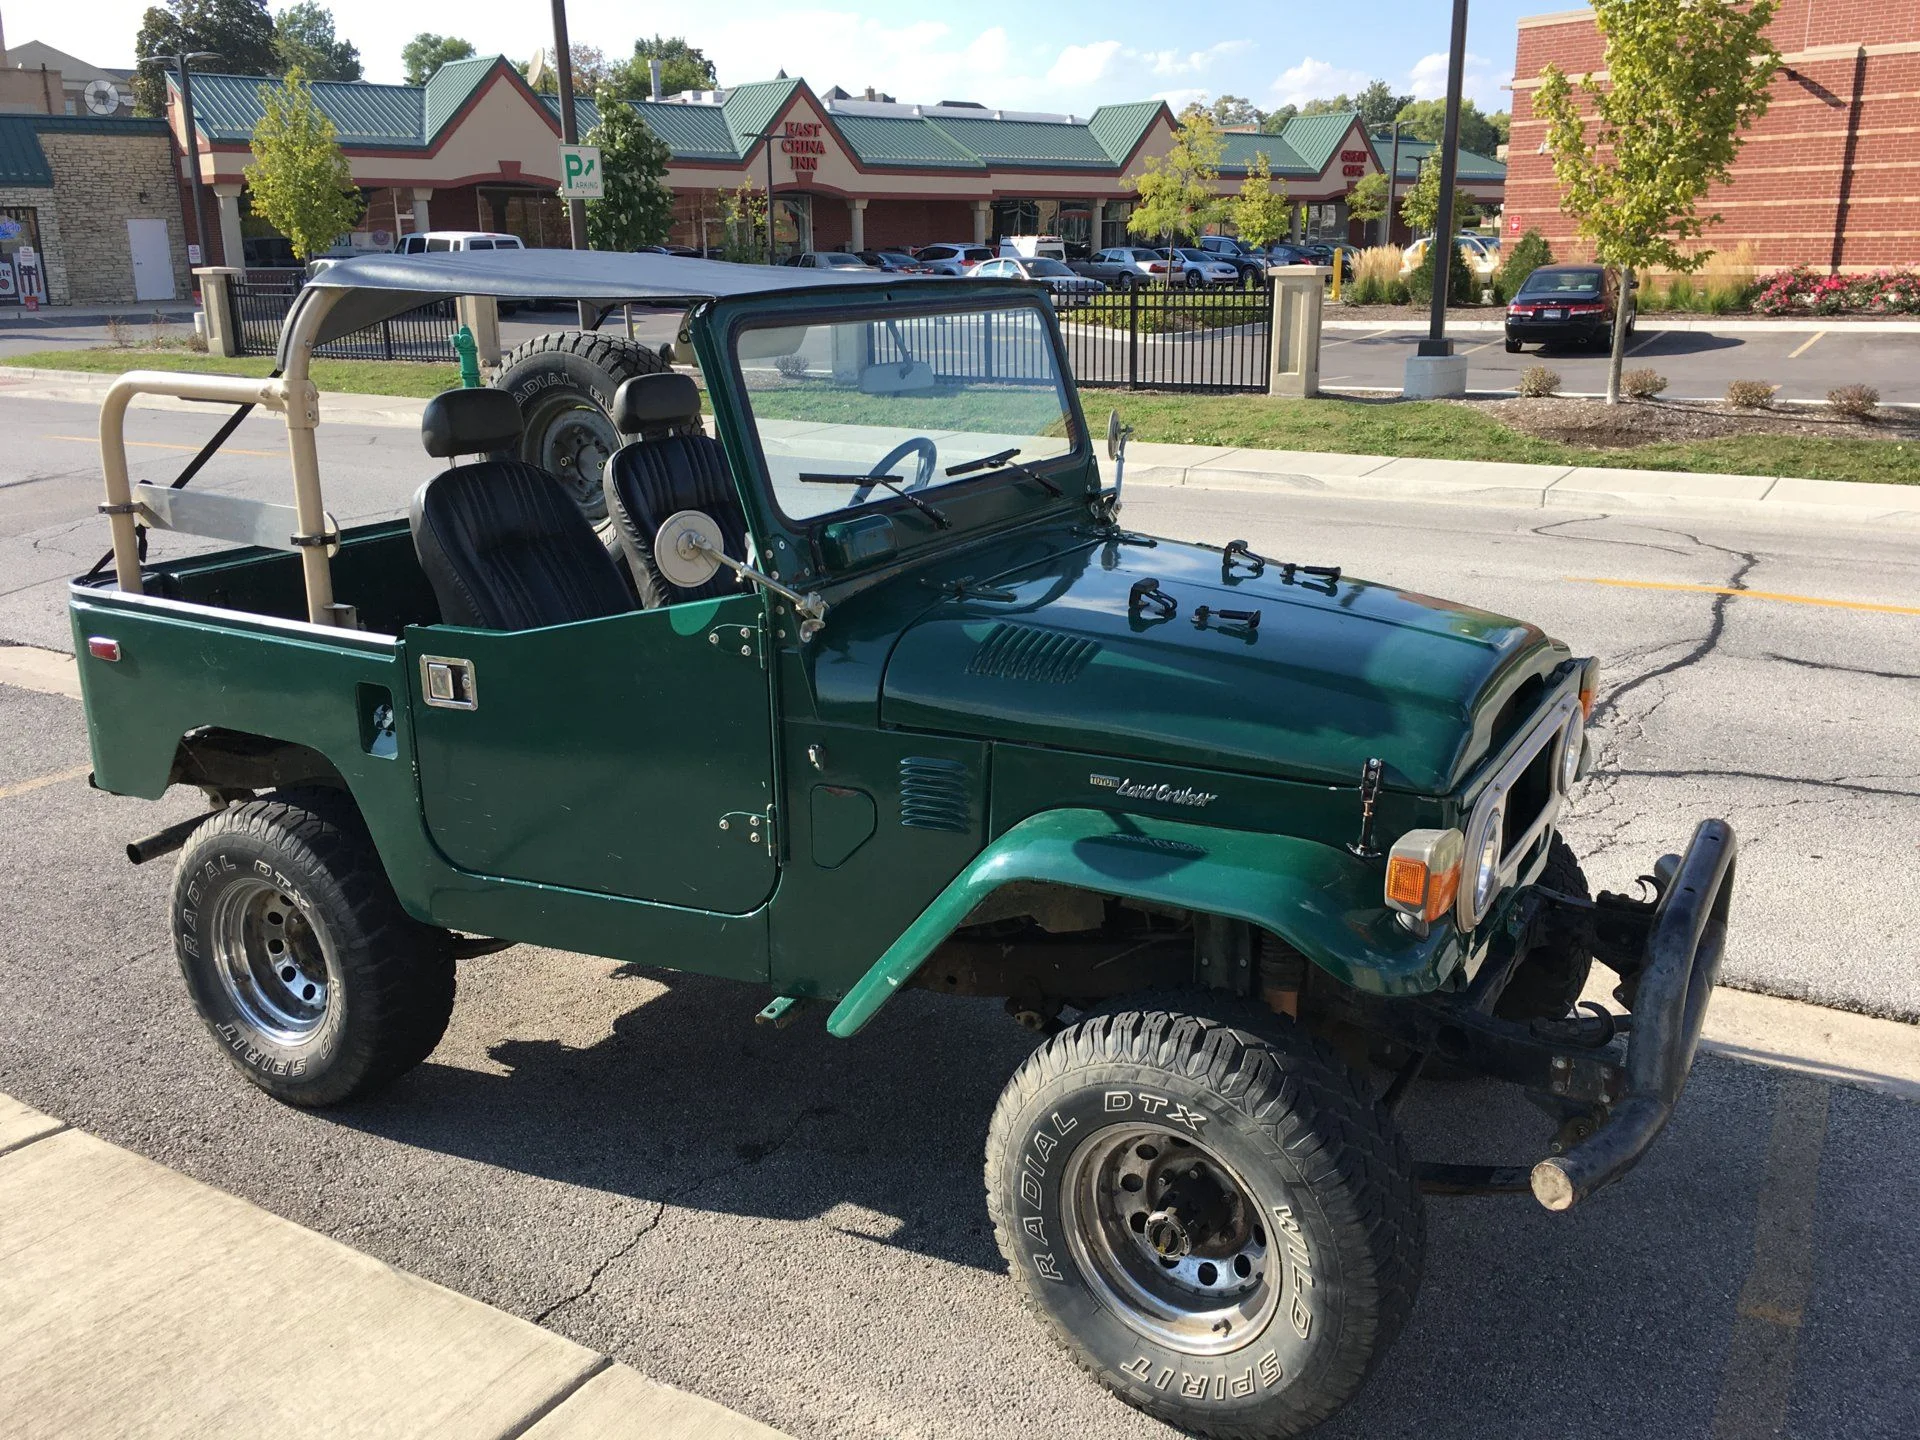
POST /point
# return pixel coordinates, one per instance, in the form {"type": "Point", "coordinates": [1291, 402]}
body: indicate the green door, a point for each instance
{"type": "Point", "coordinates": [630, 755]}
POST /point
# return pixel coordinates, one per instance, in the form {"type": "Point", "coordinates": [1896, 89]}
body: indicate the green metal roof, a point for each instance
{"type": "Point", "coordinates": [1236, 155]}
{"type": "Point", "coordinates": [1474, 169]}
{"type": "Point", "coordinates": [1118, 128]}
{"type": "Point", "coordinates": [449, 87]}
{"type": "Point", "coordinates": [904, 140]}
{"type": "Point", "coordinates": [97, 125]}
{"type": "Point", "coordinates": [1314, 138]}
{"type": "Point", "coordinates": [750, 109]}
{"type": "Point", "coordinates": [1028, 142]}
{"type": "Point", "coordinates": [22, 162]}
{"type": "Point", "coordinates": [693, 132]}
{"type": "Point", "coordinates": [227, 107]}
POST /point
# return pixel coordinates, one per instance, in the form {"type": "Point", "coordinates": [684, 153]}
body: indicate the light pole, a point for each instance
{"type": "Point", "coordinates": [569, 135]}
{"type": "Point", "coordinates": [1436, 342]}
{"type": "Point", "coordinates": [766, 137]}
{"type": "Point", "coordinates": [181, 62]}
{"type": "Point", "coordinates": [1393, 186]}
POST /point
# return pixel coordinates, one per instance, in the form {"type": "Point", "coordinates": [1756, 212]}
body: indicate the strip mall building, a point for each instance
{"type": "Point", "coordinates": [475, 148]}
{"type": "Point", "coordinates": [1829, 177]}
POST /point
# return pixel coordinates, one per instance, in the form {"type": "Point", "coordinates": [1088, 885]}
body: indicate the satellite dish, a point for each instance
{"type": "Point", "coordinates": [537, 68]}
{"type": "Point", "coordinates": [102, 96]}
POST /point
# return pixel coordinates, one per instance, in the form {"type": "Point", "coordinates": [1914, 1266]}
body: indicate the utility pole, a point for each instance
{"type": "Point", "coordinates": [569, 135]}
{"type": "Point", "coordinates": [181, 64]}
{"type": "Point", "coordinates": [1393, 186]}
{"type": "Point", "coordinates": [766, 138]}
{"type": "Point", "coordinates": [1436, 342]}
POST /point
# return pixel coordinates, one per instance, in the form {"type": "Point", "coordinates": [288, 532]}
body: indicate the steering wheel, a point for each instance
{"type": "Point", "coordinates": [919, 445]}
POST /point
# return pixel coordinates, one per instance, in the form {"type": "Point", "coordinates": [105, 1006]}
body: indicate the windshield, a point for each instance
{"type": "Point", "coordinates": [1562, 282]}
{"type": "Point", "coordinates": [1047, 267]}
{"type": "Point", "coordinates": [838, 397]}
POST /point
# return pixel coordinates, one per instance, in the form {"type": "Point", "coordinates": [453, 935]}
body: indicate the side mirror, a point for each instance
{"type": "Point", "coordinates": [683, 551]}
{"type": "Point", "coordinates": [1117, 436]}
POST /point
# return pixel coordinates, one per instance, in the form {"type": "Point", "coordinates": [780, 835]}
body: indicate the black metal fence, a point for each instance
{"type": "Point", "coordinates": [1160, 338]}
{"type": "Point", "coordinates": [993, 345]}
{"type": "Point", "coordinates": [262, 300]}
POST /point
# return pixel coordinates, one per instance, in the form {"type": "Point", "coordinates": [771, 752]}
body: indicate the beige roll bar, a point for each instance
{"type": "Point", "coordinates": [292, 396]}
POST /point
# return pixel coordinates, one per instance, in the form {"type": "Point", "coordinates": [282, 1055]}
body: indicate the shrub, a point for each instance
{"type": "Point", "coordinates": [1854, 402]}
{"type": "Point", "coordinates": [1751, 395]}
{"type": "Point", "coordinates": [1801, 291]}
{"type": "Point", "coordinates": [118, 335]}
{"type": "Point", "coordinates": [1398, 292]}
{"type": "Point", "coordinates": [1537, 381]}
{"type": "Point", "coordinates": [1529, 253]}
{"type": "Point", "coordinates": [1680, 294]}
{"type": "Point", "coordinates": [1366, 290]}
{"type": "Point", "coordinates": [791, 366]}
{"type": "Point", "coordinates": [1375, 274]}
{"type": "Point", "coordinates": [1642, 384]}
{"type": "Point", "coordinates": [1462, 286]}
{"type": "Point", "coordinates": [1726, 282]}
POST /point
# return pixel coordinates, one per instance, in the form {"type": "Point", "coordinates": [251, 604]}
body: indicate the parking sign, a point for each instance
{"type": "Point", "coordinates": [580, 177]}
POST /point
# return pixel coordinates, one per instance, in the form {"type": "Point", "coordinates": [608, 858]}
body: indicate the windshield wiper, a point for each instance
{"type": "Point", "coordinates": [1004, 460]}
{"type": "Point", "coordinates": [890, 482]}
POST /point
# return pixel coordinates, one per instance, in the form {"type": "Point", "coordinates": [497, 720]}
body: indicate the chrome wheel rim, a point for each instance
{"type": "Point", "coordinates": [271, 962]}
{"type": "Point", "coordinates": [574, 444]}
{"type": "Point", "coordinates": [1171, 1238]}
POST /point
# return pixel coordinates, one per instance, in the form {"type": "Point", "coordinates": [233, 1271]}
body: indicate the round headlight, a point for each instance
{"type": "Point", "coordinates": [1570, 747]}
{"type": "Point", "coordinates": [1486, 859]}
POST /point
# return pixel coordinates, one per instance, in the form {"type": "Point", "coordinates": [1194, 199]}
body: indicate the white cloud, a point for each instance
{"type": "Point", "coordinates": [1080, 65]}
{"type": "Point", "coordinates": [1315, 79]}
{"type": "Point", "coordinates": [1178, 100]}
{"type": "Point", "coordinates": [1171, 63]}
{"type": "Point", "coordinates": [1480, 81]}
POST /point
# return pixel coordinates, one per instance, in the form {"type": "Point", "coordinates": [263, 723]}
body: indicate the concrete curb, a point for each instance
{"type": "Point", "coordinates": [134, 1301]}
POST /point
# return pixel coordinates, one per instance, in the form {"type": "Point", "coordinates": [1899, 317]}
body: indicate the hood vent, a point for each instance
{"type": "Point", "coordinates": [1027, 652]}
{"type": "Point", "coordinates": [933, 794]}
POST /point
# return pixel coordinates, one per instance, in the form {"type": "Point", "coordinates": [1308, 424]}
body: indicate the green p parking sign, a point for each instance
{"type": "Point", "coordinates": [580, 177]}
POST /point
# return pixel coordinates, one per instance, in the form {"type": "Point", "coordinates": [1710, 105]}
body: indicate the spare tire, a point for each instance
{"type": "Point", "coordinates": [563, 383]}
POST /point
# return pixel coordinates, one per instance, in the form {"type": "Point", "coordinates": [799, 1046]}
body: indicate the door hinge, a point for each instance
{"type": "Point", "coordinates": [756, 827]}
{"type": "Point", "coordinates": [747, 641]}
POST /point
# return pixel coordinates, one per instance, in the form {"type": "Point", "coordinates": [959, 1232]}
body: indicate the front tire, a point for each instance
{"type": "Point", "coordinates": [1222, 1228]}
{"type": "Point", "coordinates": [316, 984]}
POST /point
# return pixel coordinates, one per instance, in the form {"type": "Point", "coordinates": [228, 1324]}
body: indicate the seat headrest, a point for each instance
{"type": "Point", "coordinates": [469, 422]}
{"type": "Point", "coordinates": [648, 402]}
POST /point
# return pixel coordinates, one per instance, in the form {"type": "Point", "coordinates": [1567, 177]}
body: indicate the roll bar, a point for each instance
{"type": "Point", "coordinates": [294, 397]}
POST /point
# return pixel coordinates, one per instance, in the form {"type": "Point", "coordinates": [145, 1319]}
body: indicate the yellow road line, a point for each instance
{"type": "Point", "coordinates": [1747, 594]}
{"type": "Point", "coordinates": [165, 445]}
{"type": "Point", "coordinates": [1818, 336]}
{"type": "Point", "coordinates": [40, 782]}
{"type": "Point", "coordinates": [1756, 1385]}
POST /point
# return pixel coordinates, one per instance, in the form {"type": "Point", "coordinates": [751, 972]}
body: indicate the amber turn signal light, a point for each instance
{"type": "Point", "coordinates": [1589, 687]}
{"type": "Point", "coordinates": [1423, 873]}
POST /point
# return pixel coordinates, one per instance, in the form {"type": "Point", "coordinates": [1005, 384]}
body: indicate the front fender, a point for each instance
{"type": "Point", "coordinates": [1321, 900]}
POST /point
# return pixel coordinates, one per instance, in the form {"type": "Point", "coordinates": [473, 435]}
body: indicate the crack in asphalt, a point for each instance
{"type": "Point", "coordinates": [750, 1154]}
{"type": "Point", "coordinates": [1550, 532]}
{"type": "Point", "coordinates": [1844, 783]}
{"type": "Point", "coordinates": [1703, 647]}
{"type": "Point", "coordinates": [1841, 669]}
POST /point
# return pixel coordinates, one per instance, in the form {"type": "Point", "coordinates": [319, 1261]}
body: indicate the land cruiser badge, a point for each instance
{"type": "Point", "coordinates": [1128, 789]}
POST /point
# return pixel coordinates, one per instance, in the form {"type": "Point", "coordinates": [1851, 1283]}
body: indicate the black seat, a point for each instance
{"type": "Point", "coordinates": [502, 543]}
{"type": "Point", "coordinates": [673, 465]}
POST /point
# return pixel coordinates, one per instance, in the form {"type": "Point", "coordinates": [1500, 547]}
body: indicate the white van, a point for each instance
{"type": "Point", "coordinates": [1034, 247]}
{"type": "Point", "coordinates": [432, 242]}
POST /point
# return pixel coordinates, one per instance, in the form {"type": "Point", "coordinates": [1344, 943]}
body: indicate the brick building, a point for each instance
{"type": "Point", "coordinates": [1829, 177]}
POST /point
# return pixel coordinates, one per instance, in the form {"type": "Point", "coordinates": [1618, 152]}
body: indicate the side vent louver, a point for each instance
{"type": "Point", "coordinates": [1026, 652]}
{"type": "Point", "coordinates": [933, 794]}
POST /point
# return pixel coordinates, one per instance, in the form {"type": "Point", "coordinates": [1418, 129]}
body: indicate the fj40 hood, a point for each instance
{"type": "Point", "coordinates": [1333, 672]}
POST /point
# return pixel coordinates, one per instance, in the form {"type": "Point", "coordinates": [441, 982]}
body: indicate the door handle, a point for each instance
{"type": "Point", "coordinates": [448, 684]}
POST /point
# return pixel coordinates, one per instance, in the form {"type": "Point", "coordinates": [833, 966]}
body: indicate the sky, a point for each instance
{"type": "Point", "coordinates": [1070, 55]}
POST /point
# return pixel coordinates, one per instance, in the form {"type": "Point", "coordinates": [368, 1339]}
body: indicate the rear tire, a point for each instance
{"type": "Point", "coordinates": [314, 981]}
{"type": "Point", "coordinates": [563, 383]}
{"type": "Point", "coordinates": [1220, 1226]}
{"type": "Point", "coordinates": [1513, 347]}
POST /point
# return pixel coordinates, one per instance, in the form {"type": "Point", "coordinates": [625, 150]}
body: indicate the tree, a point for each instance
{"type": "Point", "coordinates": [1236, 110]}
{"type": "Point", "coordinates": [1427, 120]}
{"type": "Point", "coordinates": [591, 73]}
{"type": "Point", "coordinates": [427, 52]}
{"type": "Point", "coordinates": [745, 213]}
{"type": "Point", "coordinates": [240, 32]}
{"type": "Point", "coordinates": [1502, 124]}
{"type": "Point", "coordinates": [299, 177]}
{"type": "Point", "coordinates": [1420, 206]}
{"type": "Point", "coordinates": [682, 67]}
{"type": "Point", "coordinates": [1367, 200]}
{"type": "Point", "coordinates": [1378, 104]}
{"type": "Point", "coordinates": [1685, 77]}
{"type": "Point", "coordinates": [1176, 190]}
{"type": "Point", "coordinates": [303, 39]}
{"type": "Point", "coordinates": [638, 207]}
{"type": "Point", "coordinates": [1274, 121]}
{"type": "Point", "coordinates": [1528, 254]}
{"type": "Point", "coordinates": [1259, 211]}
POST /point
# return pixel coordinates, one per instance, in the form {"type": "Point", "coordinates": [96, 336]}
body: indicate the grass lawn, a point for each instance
{"type": "Point", "coordinates": [360, 377]}
{"type": "Point", "coordinates": [1433, 430]}
{"type": "Point", "coordinates": [1413, 429]}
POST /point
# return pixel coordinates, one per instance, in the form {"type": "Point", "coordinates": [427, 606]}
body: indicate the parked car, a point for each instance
{"type": "Point", "coordinates": [1249, 263]}
{"type": "Point", "coordinates": [1567, 305]}
{"type": "Point", "coordinates": [951, 257]}
{"type": "Point", "coordinates": [1330, 254]}
{"type": "Point", "coordinates": [1034, 247]}
{"type": "Point", "coordinates": [1285, 252]}
{"type": "Point", "coordinates": [1062, 283]}
{"type": "Point", "coordinates": [1123, 267]}
{"type": "Point", "coordinates": [1202, 270]}
{"type": "Point", "coordinates": [855, 714]}
{"type": "Point", "coordinates": [433, 242]}
{"type": "Point", "coordinates": [1481, 258]}
{"type": "Point", "coordinates": [826, 260]}
{"type": "Point", "coordinates": [896, 262]}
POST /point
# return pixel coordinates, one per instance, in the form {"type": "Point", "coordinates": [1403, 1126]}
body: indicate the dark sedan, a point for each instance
{"type": "Point", "coordinates": [896, 262]}
{"type": "Point", "coordinates": [1566, 305]}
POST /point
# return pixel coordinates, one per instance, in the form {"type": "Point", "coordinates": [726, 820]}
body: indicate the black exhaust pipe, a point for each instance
{"type": "Point", "coordinates": [166, 841]}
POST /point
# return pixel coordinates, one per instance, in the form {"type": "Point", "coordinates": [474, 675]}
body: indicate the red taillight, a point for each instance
{"type": "Point", "coordinates": [100, 647]}
{"type": "Point", "coordinates": [1586, 310]}
{"type": "Point", "coordinates": [1153, 269]}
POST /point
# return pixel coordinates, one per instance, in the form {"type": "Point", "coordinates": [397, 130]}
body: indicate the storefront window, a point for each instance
{"type": "Point", "coordinates": [23, 264]}
{"type": "Point", "coordinates": [1326, 222]}
{"type": "Point", "coordinates": [539, 219]}
{"type": "Point", "coordinates": [1113, 224]}
{"type": "Point", "coordinates": [792, 224]}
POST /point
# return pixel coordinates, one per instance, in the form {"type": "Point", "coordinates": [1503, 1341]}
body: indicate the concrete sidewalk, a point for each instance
{"type": "Point", "coordinates": [134, 1301]}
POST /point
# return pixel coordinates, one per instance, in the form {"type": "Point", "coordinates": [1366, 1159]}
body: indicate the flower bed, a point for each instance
{"type": "Point", "coordinates": [1801, 291]}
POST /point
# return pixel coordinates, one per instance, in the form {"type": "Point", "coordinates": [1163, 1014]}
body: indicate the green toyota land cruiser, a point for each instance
{"type": "Point", "coordinates": [864, 684]}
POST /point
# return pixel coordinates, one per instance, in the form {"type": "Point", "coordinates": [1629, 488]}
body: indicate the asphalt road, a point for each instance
{"type": "Point", "coordinates": [1698, 364]}
{"type": "Point", "coordinates": [793, 1225]}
